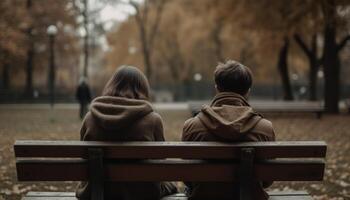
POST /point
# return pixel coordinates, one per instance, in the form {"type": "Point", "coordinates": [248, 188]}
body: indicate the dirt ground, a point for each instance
{"type": "Point", "coordinates": [64, 124]}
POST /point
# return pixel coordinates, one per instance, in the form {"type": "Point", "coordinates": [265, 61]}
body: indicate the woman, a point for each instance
{"type": "Point", "coordinates": [123, 113]}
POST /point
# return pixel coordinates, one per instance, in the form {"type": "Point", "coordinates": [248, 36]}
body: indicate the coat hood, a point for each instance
{"type": "Point", "coordinates": [115, 113]}
{"type": "Point", "coordinates": [229, 116]}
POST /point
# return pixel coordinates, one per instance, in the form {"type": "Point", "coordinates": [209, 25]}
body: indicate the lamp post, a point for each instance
{"type": "Point", "coordinates": [51, 32]}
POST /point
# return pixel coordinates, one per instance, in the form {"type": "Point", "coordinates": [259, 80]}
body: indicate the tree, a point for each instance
{"type": "Point", "coordinates": [283, 69]}
{"type": "Point", "coordinates": [292, 17]}
{"type": "Point", "coordinates": [23, 34]}
{"type": "Point", "coordinates": [215, 35]}
{"type": "Point", "coordinates": [195, 35]}
{"type": "Point", "coordinates": [10, 30]}
{"type": "Point", "coordinates": [30, 52]}
{"type": "Point", "coordinates": [267, 19]}
{"type": "Point", "coordinates": [190, 39]}
{"type": "Point", "coordinates": [331, 62]}
{"type": "Point", "coordinates": [328, 21]}
{"type": "Point", "coordinates": [148, 29]}
{"type": "Point", "coordinates": [92, 26]}
{"type": "Point", "coordinates": [314, 62]}
{"type": "Point", "coordinates": [86, 37]}
{"type": "Point", "coordinates": [63, 15]}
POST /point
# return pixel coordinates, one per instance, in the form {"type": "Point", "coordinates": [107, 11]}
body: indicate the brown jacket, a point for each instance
{"type": "Point", "coordinates": [229, 118]}
{"type": "Point", "coordinates": [122, 119]}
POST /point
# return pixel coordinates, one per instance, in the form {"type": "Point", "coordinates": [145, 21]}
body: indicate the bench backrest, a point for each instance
{"type": "Point", "coordinates": [170, 161]}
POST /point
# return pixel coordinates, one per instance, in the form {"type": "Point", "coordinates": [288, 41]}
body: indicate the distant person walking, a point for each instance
{"type": "Point", "coordinates": [83, 95]}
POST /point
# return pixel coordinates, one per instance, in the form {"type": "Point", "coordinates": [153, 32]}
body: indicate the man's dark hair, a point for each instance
{"type": "Point", "coordinates": [232, 76]}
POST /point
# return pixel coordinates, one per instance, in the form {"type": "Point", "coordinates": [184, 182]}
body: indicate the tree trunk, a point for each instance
{"type": "Point", "coordinates": [313, 80]}
{"type": "Point", "coordinates": [283, 69]}
{"type": "Point", "coordinates": [86, 39]}
{"type": "Point", "coordinates": [217, 40]}
{"type": "Point", "coordinates": [144, 43]}
{"type": "Point", "coordinates": [147, 35]}
{"type": "Point", "coordinates": [314, 64]}
{"type": "Point", "coordinates": [29, 63]}
{"type": "Point", "coordinates": [30, 56]}
{"type": "Point", "coordinates": [145, 50]}
{"type": "Point", "coordinates": [331, 70]}
{"type": "Point", "coordinates": [331, 63]}
{"type": "Point", "coordinates": [147, 62]}
{"type": "Point", "coordinates": [5, 76]}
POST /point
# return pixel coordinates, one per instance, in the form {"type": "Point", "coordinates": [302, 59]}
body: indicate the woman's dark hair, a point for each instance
{"type": "Point", "coordinates": [232, 76]}
{"type": "Point", "coordinates": [129, 82]}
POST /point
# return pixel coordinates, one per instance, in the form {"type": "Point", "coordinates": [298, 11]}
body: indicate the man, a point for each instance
{"type": "Point", "coordinates": [229, 118]}
{"type": "Point", "coordinates": [83, 96]}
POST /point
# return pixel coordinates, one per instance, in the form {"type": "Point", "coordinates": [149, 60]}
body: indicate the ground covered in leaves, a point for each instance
{"type": "Point", "coordinates": [64, 124]}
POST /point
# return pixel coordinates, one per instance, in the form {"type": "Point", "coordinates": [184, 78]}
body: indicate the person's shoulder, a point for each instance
{"type": "Point", "coordinates": [88, 125]}
{"type": "Point", "coordinates": [192, 129]}
{"type": "Point", "coordinates": [191, 123]}
{"type": "Point", "coordinates": [153, 117]}
{"type": "Point", "coordinates": [89, 121]}
{"type": "Point", "coordinates": [265, 127]}
{"type": "Point", "coordinates": [265, 122]}
{"type": "Point", "coordinates": [88, 117]}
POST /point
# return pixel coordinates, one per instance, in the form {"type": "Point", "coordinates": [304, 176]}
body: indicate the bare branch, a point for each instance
{"type": "Point", "coordinates": [343, 42]}
{"type": "Point", "coordinates": [302, 45]}
{"type": "Point", "coordinates": [155, 26]}
{"type": "Point", "coordinates": [145, 12]}
{"type": "Point", "coordinates": [137, 14]}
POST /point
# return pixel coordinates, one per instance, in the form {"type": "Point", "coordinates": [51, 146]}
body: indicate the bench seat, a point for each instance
{"type": "Point", "coordinates": [300, 195]}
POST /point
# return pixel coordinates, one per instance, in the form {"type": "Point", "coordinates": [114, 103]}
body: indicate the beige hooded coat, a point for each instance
{"type": "Point", "coordinates": [229, 118]}
{"type": "Point", "coordinates": [123, 119]}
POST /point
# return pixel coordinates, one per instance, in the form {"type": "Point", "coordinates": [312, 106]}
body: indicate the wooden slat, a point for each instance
{"type": "Point", "coordinates": [288, 193]}
{"type": "Point", "coordinates": [70, 194]}
{"type": "Point", "coordinates": [49, 198]}
{"type": "Point", "coordinates": [290, 197]}
{"type": "Point", "coordinates": [168, 170]}
{"type": "Point", "coordinates": [50, 194]}
{"type": "Point", "coordinates": [300, 195]}
{"type": "Point", "coordinates": [160, 150]}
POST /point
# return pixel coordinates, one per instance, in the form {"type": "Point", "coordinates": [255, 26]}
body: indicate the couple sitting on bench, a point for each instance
{"type": "Point", "coordinates": [123, 113]}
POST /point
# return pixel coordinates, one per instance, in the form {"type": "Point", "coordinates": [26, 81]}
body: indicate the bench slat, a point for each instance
{"type": "Point", "coordinates": [168, 170]}
{"type": "Point", "coordinates": [300, 195]}
{"type": "Point", "coordinates": [290, 197]}
{"type": "Point", "coordinates": [50, 194]}
{"type": "Point", "coordinates": [172, 198]}
{"type": "Point", "coordinates": [49, 198]}
{"type": "Point", "coordinates": [160, 150]}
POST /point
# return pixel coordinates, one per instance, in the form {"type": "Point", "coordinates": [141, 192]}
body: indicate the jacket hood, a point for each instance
{"type": "Point", "coordinates": [229, 116]}
{"type": "Point", "coordinates": [113, 113]}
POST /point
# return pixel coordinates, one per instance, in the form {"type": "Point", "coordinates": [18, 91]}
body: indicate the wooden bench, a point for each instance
{"type": "Point", "coordinates": [271, 107]}
{"type": "Point", "coordinates": [168, 161]}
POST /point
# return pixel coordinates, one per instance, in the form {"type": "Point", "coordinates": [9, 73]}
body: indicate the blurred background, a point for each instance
{"type": "Point", "coordinates": [298, 51]}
